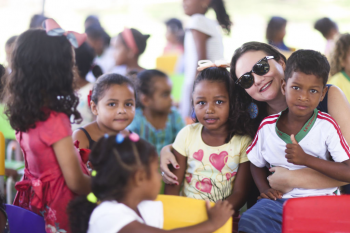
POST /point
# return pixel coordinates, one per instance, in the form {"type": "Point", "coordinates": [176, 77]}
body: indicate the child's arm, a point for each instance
{"type": "Point", "coordinates": [75, 179]}
{"type": "Point", "coordinates": [241, 187]}
{"type": "Point", "coordinates": [217, 217]}
{"type": "Point", "coordinates": [260, 178]}
{"type": "Point", "coordinates": [174, 189]}
{"type": "Point", "coordinates": [296, 155]}
{"type": "Point", "coordinates": [81, 137]}
{"type": "Point", "coordinates": [285, 180]}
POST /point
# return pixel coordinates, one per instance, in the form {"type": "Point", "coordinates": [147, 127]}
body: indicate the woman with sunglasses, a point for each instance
{"type": "Point", "coordinates": [258, 70]}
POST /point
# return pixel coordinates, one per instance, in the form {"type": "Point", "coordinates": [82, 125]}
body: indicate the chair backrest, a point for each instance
{"type": "Point", "coordinates": [22, 220]}
{"type": "Point", "coordinates": [184, 212]}
{"type": "Point", "coordinates": [167, 63]}
{"type": "Point", "coordinates": [317, 214]}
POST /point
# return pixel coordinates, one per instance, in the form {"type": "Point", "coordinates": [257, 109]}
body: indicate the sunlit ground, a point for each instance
{"type": "Point", "coordinates": [249, 17]}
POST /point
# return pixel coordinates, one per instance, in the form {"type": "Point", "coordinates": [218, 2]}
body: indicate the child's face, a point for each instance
{"type": "Point", "coordinates": [170, 36]}
{"type": "Point", "coordinates": [211, 104]}
{"type": "Point", "coordinates": [116, 109]}
{"type": "Point", "coordinates": [153, 184]}
{"type": "Point", "coordinates": [346, 62]}
{"type": "Point", "coordinates": [121, 52]}
{"type": "Point", "coordinates": [303, 93]}
{"type": "Point", "coordinates": [161, 100]}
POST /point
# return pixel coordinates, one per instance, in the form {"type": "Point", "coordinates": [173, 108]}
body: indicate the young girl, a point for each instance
{"type": "Point", "coordinates": [156, 120]}
{"type": "Point", "coordinates": [84, 59]}
{"type": "Point", "coordinates": [203, 40]}
{"type": "Point", "coordinates": [340, 65]}
{"type": "Point", "coordinates": [129, 45]}
{"type": "Point", "coordinates": [40, 100]}
{"type": "Point", "coordinates": [211, 153]}
{"type": "Point", "coordinates": [125, 182]}
{"type": "Point", "coordinates": [113, 104]}
{"type": "Point", "coordinates": [329, 30]}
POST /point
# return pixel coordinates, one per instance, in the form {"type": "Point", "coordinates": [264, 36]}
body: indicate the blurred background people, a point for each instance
{"type": "Point", "coordinates": [37, 21]}
{"type": "Point", "coordinates": [203, 41]}
{"type": "Point", "coordinates": [329, 30]}
{"type": "Point", "coordinates": [9, 46]}
{"type": "Point", "coordinates": [275, 33]}
{"type": "Point", "coordinates": [174, 36]}
{"type": "Point", "coordinates": [340, 64]}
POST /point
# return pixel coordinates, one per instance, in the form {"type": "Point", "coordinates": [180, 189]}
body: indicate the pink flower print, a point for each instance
{"type": "Point", "coordinates": [204, 185]}
{"type": "Point", "coordinates": [218, 160]}
{"type": "Point", "coordinates": [189, 178]}
{"type": "Point", "coordinates": [198, 155]}
{"type": "Point", "coordinates": [50, 229]}
{"type": "Point", "coordinates": [51, 215]}
{"type": "Point", "coordinates": [229, 175]}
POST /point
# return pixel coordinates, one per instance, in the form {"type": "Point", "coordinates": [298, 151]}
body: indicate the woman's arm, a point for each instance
{"type": "Point", "coordinates": [217, 217]}
{"type": "Point", "coordinates": [67, 158]}
{"type": "Point", "coordinates": [166, 158]}
{"type": "Point", "coordinates": [241, 188]}
{"type": "Point", "coordinates": [283, 180]}
{"type": "Point", "coordinates": [174, 189]}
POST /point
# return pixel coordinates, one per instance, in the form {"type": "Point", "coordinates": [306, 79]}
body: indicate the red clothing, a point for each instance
{"type": "Point", "coordinates": [43, 189]}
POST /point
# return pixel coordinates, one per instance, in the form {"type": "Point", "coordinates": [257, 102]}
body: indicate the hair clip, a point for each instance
{"type": "Point", "coordinates": [93, 173]}
{"type": "Point", "coordinates": [204, 64]}
{"type": "Point", "coordinates": [134, 137]}
{"type": "Point", "coordinates": [106, 135]}
{"type": "Point", "coordinates": [89, 97]}
{"type": "Point", "coordinates": [119, 138]}
{"type": "Point", "coordinates": [91, 198]}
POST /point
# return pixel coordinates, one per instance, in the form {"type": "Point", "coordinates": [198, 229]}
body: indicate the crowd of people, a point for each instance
{"type": "Point", "coordinates": [95, 127]}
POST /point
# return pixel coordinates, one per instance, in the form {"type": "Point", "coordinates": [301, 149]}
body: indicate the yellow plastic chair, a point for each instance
{"type": "Point", "coordinates": [183, 212]}
{"type": "Point", "coordinates": [2, 162]}
{"type": "Point", "coordinates": [167, 63]}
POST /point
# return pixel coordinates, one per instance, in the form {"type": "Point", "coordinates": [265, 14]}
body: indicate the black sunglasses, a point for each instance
{"type": "Point", "coordinates": [260, 68]}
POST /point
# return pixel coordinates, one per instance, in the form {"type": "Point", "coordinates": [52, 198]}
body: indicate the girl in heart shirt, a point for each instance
{"type": "Point", "coordinates": [211, 152]}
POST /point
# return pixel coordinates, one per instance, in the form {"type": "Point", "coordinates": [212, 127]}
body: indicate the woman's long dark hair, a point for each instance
{"type": "Point", "coordinates": [221, 14]}
{"type": "Point", "coordinates": [242, 98]}
{"type": "Point", "coordinates": [41, 80]}
{"type": "Point", "coordinates": [114, 164]}
{"type": "Point", "coordinates": [237, 121]}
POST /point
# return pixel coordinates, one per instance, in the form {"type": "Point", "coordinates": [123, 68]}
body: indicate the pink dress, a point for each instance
{"type": "Point", "coordinates": [43, 189]}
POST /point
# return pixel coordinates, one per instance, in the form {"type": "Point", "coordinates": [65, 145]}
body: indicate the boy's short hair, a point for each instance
{"type": "Point", "coordinates": [308, 62]}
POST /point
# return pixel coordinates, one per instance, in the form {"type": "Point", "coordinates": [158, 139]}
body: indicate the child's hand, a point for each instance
{"type": "Point", "coordinates": [220, 213]}
{"type": "Point", "coordinates": [294, 153]}
{"type": "Point", "coordinates": [271, 194]}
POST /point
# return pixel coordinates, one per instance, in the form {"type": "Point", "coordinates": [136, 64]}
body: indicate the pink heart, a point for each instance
{"type": "Point", "coordinates": [219, 160]}
{"type": "Point", "coordinates": [189, 178]}
{"type": "Point", "coordinates": [204, 185]}
{"type": "Point", "coordinates": [198, 155]}
{"type": "Point", "coordinates": [229, 175]}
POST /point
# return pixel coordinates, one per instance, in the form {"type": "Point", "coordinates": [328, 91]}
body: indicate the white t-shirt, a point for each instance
{"type": "Point", "coordinates": [214, 51]}
{"type": "Point", "coordinates": [319, 137]}
{"type": "Point", "coordinates": [106, 61]}
{"type": "Point", "coordinates": [111, 216]}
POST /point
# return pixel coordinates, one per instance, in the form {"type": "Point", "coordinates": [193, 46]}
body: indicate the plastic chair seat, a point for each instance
{"type": "Point", "coordinates": [24, 221]}
{"type": "Point", "coordinates": [317, 214]}
{"type": "Point", "coordinates": [184, 212]}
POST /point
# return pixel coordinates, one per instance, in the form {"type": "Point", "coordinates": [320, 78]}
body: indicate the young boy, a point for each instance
{"type": "Point", "coordinates": [298, 137]}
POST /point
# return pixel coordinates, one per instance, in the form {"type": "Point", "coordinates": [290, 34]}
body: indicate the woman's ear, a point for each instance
{"type": "Point", "coordinates": [282, 63]}
{"type": "Point", "coordinates": [93, 108]}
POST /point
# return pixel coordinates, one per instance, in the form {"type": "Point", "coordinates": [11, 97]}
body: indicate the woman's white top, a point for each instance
{"type": "Point", "coordinates": [111, 216]}
{"type": "Point", "coordinates": [214, 51]}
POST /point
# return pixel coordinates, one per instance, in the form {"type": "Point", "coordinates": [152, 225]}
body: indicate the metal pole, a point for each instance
{"type": "Point", "coordinates": [43, 8]}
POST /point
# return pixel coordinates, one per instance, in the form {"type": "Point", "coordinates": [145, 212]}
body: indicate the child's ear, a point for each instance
{"type": "Point", "coordinates": [93, 108]}
{"type": "Point", "coordinates": [283, 86]}
{"type": "Point", "coordinates": [325, 89]}
{"type": "Point", "coordinates": [144, 100]}
{"type": "Point", "coordinates": [139, 177]}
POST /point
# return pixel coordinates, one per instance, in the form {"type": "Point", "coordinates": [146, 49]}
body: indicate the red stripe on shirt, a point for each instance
{"type": "Point", "coordinates": [335, 125]}
{"type": "Point", "coordinates": [250, 147]}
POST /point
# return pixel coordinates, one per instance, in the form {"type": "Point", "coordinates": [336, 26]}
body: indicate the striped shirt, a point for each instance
{"type": "Point", "coordinates": [157, 137]}
{"type": "Point", "coordinates": [320, 137]}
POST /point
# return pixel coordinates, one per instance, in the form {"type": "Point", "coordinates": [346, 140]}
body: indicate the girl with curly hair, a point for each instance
{"type": "Point", "coordinates": [340, 65]}
{"type": "Point", "coordinates": [40, 100]}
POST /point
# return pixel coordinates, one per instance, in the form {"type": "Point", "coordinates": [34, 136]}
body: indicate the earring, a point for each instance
{"type": "Point", "coordinates": [253, 110]}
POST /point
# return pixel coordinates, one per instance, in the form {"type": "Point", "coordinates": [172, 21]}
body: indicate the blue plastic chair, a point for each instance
{"type": "Point", "coordinates": [24, 221]}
